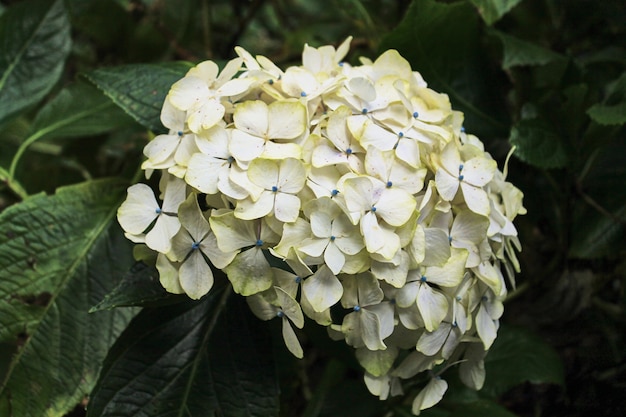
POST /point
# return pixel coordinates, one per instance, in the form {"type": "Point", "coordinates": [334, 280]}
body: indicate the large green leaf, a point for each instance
{"type": "Point", "coordinates": [612, 111]}
{"type": "Point", "coordinates": [518, 356]}
{"type": "Point", "coordinates": [443, 42]}
{"type": "Point", "coordinates": [520, 52]}
{"type": "Point", "coordinates": [140, 286]}
{"type": "Point", "coordinates": [59, 255]}
{"type": "Point", "coordinates": [538, 144]}
{"type": "Point", "coordinates": [78, 110]}
{"type": "Point", "coordinates": [196, 358]}
{"type": "Point", "coordinates": [492, 10]}
{"type": "Point", "coordinates": [140, 89]}
{"type": "Point", "coordinates": [34, 42]}
{"type": "Point", "coordinates": [597, 225]}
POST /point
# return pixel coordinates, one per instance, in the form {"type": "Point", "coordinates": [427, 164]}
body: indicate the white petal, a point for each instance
{"type": "Point", "coordinates": [139, 209]}
{"type": "Point", "coordinates": [433, 306]}
{"type": "Point", "coordinates": [430, 395]}
{"type": "Point", "coordinates": [244, 146]}
{"type": "Point", "coordinates": [323, 290]}
{"type": "Point", "coordinates": [291, 340]}
{"type": "Point", "coordinates": [250, 273]}
{"type": "Point", "coordinates": [290, 307]}
{"type": "Point", "coordinates": [287, 119]}
{"type": "Point", "coordinates": [286, 207]}
{"type": "Point", "coordinates": [395, 206]}
{"type": "Point", "coordinates": [195, 276]}
{"type": "Point", "coordinates": [248, 210]}
{"type": "Point", "coordinates": [486, 327]}
{"type": "Point", "coordinates": [251, 117]}
{"type": "Point", "coordinates": [476, 199]}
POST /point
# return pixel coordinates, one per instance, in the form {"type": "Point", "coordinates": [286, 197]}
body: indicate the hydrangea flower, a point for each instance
{"type": "Point", "coordinates": [384, 220]}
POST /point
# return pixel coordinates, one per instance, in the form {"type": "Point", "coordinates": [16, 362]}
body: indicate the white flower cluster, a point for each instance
{"type": "Point", "coordinates": [392, 223]}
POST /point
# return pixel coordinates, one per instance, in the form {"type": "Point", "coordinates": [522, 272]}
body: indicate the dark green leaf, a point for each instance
{"type": "Point", "coordinates": [139, 287]}
{"type": "Point", "coordinates": [518, 356]}
{"type": "Point", "coordinates": [34, 42]}
{"type": "Point", "coordinates": [538, 144]}
{"type": "Point", "coordinates": [598, 225]}
{"type": "Point", "coordinates": [59, 255]}
{"type": "Point", "coordinates": [492, 10]}
{"type": "Point", "coordinates": [197, 358]}
{"type": "Point", "coordinates": [78, 110]}
{"type": "Point", "coordinates": [442, 41]}
{"type": "Point", "coordinates": [519, 52]}
{"type": "Point", "coordinates": [612, 111]}
{"type": "Point", "coordinates": [140, 89]}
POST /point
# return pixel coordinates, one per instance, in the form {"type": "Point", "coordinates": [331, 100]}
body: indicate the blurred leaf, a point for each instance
{"type": "Point", "coordinates": [597, 226]}
{"type": "Point", "coordinates": [538, 144]}
{"type": "Point", "coordinates": [140, 287]}
{"type": "Point", "coordinates": [612, 111]}
{"type": "Point", "coordinates": [78, 110]}
{"type": "Point", "coordinates": [197, 358]}
{"type": "Point", "coordinates": [34, 43]}
{"type": "Point", "coordinates": [140, 89]}
{"type": "Point", "coordinates": [596, 236]}
{"type": "Point", "coordinates": [519, 52]}
{"type": "Point", "coordinates": [59, 255]}
{"type": "Point", "coordinates": [492, 10]}
{"type": "Point", "coordinates": [480, 408]}
{"type": "Point", "coordinates": [442, 41]}
{"type": "Point", "coordinates": [518, 356]}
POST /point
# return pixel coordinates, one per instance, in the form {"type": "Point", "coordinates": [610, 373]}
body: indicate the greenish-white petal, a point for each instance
{"type": "Point", "coordinates": [323, 290]}
{"type": "Point", "coordinates": [377, 362]}
{"type": "Point", "coordinates": [290, 307]}
{"type": "Point", "coordinates": [249, 272]}
{"type": "Point", "coordinates": [433, 306]}
{"type": "Point", "coordinates": [429, 396]}
{"type": "Point", "coordinates": [195, 275]}
{"type": "Point", "coordinates": [291, 340]}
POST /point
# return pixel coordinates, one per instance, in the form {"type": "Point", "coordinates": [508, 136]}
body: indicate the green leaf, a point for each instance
{"type": "Point", "coordinates": [139, 287]}
{"type": "Point", "coordinates": [612, 111]}
{"type": "Point", "coordinates": [597, 226]}
{"type": "Point", "coordinates": [196, 358]}
{"type": "Point", "coordinates": [34, 43]}
{"type": "Point", "coordinates": [78, 110]}
{"type": "Point", "coordinates": [538, 144]}
{"type": "Point", "coordinates": [518, 52]}
{"type": "Point", "coordinates": [442, 41]}
{"type": "Point", "coordinates": [59, 255]}
{"type": "Point", "coordinates": [140, 89]}
{"type": "Point", "coordinates": [518, 356]}
{"type": "Point", "coordinates": [492, 10]}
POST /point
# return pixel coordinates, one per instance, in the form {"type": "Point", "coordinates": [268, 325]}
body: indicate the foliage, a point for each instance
{"type": "Point", "coordinates": [80, 97]}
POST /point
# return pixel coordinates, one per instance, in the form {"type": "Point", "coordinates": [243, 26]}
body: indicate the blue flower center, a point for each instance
{"type": "Point", "coordinates": [332, 238]}
{"type": "Point", "coordinates": [180, 133]}
{"type": "Point", "coordinates": [389, 184]}
{"type": "Point", "coordinates": [374, 209]}
{"type": "Point", "coordinates": [356, 308]}
{"type": "Point", "coordinates": [298, 280]}
{"type": "Point", "coordinates": [334, 192]}
{"type": "Point", "coordinates": [274, 188]}
{"type": "Point", "coordinates": [259, 242]}
{"type": "Point", "coordinates": [195, 245]}
{"type": "Point", "coordinates": [415, 115]}
{"type": "Point", "coordinates": [280, 314]}
{"type": "Point", "coordinates": [158, 210]}
{"type": "Point", "coordinates": [303, 94]}
{"type": "Point", "coordinates": [349, 151]}
{"type": "Point", "coordinates": [364, 111]}
{"type": "Point", "coordinates": [400, 134]}
{"type": "Point", "coordinates": [423, 278]}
